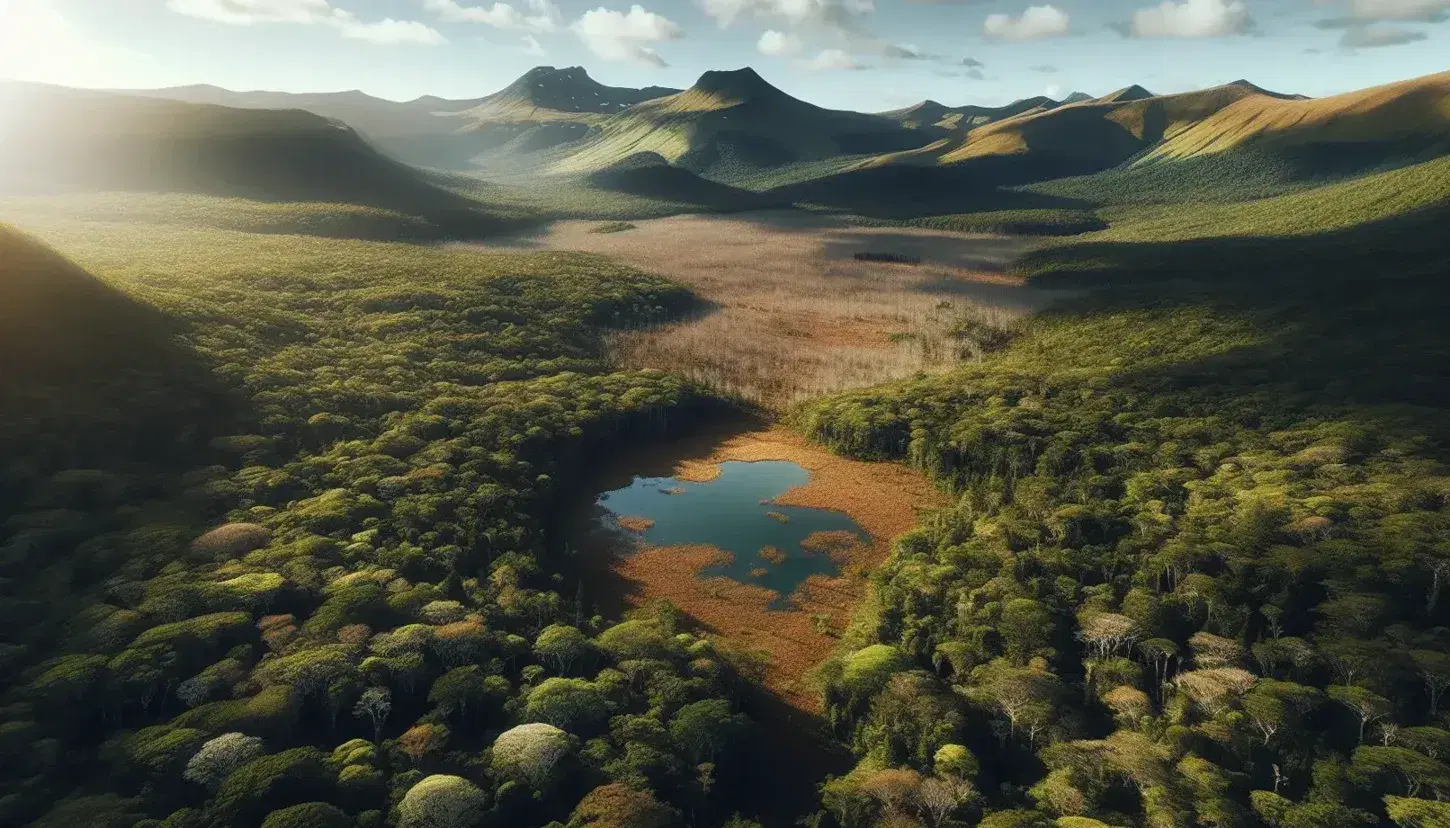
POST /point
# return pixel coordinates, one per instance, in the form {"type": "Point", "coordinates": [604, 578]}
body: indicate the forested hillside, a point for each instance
{"type": "Point", "coordinates": [306, 581]}
{"type": "Point", "coordinates": [1195, 574]}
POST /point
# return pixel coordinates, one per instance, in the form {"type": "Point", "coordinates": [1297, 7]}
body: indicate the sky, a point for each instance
{"type": "Point", "coordinates": [866, 55]}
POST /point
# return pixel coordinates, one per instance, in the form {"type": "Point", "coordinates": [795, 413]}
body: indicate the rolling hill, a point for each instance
{"type": "Point", "coordinates": [61, 140]}
{"type": "Point", "coordinates": [735, 121]}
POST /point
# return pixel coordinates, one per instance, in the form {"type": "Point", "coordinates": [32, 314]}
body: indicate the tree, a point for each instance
{"type": "Point", "coordinates": [955, 760]}
{"type": "Point", "coordinates": [1106, 633]}
{"type": "Point", "coordinates": [1366, 706]}
{"type": "Point", "coordinates": [910, 719]}
{"type": "Point", "coordinates": [308, 815]}
{"type": "Point", "coordinates": [1215, 688]}
{"type": "Point", "coordinates": [1026, 696]}
{"type": "Point", "coordinates": [375, 703]}
{"type": "Point", "coordinates": [219, 757]}
{"type": "Point", "coordinates": [941, 796]}
{"type": "Point", "coordinates": [1026, 627]}
{"type": "Point", "coordinates": [464, 688]}
{"type": "Point", "coordinates": [617, 805]}
{"type": "Point", "coordinates": [423, 740]}
{"type": "Point", "coordinates": [563, 647]}
{"type": "Point", "coordinates": [1413, 770]}
{"type": "Point", "coordinates": [1275, 704]}
{"type": "Point", "coordinates": [1211, 650]}
{"type": "Point", "coordinates": [704, 729]}
{"type": "Point", "coordinates": [568, 703]}
{"type": "Point", "coordinates": [1433, 668]}
{"type": "Point", "coordinates": [1417, 813]}
{"type": "Point", "coordinates": [530, 752]}
{"type": "Point", "coordinates": [442, 801]}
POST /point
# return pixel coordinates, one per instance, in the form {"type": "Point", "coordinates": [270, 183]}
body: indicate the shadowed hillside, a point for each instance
{"type": "Point", "coordinates": [648, 175]}
{"type": "Point", "coordinates": [67, 141]}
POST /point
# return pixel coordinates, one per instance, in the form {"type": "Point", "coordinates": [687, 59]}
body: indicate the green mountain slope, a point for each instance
{"type": "Point", "coordinates": [735, 122]}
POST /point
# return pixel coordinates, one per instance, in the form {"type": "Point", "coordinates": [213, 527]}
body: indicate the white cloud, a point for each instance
{"type": "Point", "coordinates": [251, 12]}
{"type": "Point", "coordinates": [616, 35]}
{"type": "Point", "coordinates": [832, 14]}
{"type": "Point", "coordinates": [834, 59]}
{"type": "Point", "coordinates": [531, 46]}
{"type": "Point", "coordinates": [389, 31]}
{"type": "Point", "coordinates": [1192, 18]}
{"type": "Point", "coordinates": [1370, 37]}
{"type": "Point", "coordinates": [38, 43]}
{"type": "Point", "coordinates": [1036, 22]}
{"type": "Point", "coordinates": [1052, 91]}
{"type": "Point", "coordinates": [307, 12]}
{"type": "Point", "coordinates": [541, 15]}
{"type": "Point", "coordinates": [779, 44]}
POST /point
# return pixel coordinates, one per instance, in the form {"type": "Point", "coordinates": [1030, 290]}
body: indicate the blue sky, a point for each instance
{"type": "Point", "coordinates": [860, 54]}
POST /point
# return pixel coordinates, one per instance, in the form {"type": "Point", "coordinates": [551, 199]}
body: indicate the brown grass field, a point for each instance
{"type": "Point", "coordinates": [793, 313]}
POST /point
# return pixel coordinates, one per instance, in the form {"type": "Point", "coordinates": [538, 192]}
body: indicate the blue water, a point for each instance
{"type": "Point", "coordinates": [731, 513]}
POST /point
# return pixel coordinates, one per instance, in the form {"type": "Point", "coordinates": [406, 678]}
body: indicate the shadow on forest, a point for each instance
{"type": "Point", "coordinates": [96, 382]}
{"type": "Point", "coordinates": [1352, 317]}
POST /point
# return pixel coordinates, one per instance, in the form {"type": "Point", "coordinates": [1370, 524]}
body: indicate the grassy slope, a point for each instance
{"type": "Point", "coordinates": [729, 114]}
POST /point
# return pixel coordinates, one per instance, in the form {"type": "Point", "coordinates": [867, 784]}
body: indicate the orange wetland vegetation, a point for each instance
{"type": "Point", "coordinates": [882, 498]}
{"type": "Point", "coordinates": [634, 523]}
{"type": "Point", "coordinates": [791, 313]}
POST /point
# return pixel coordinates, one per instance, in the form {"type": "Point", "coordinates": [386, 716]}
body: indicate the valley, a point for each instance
{"type": "Point", "coordinates": [791, 313]}
{"type": "Point", "coordinates": [576, 455]}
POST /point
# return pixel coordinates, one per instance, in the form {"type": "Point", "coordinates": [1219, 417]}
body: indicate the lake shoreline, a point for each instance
{"type": "Point", "coordinates": [884, 499]}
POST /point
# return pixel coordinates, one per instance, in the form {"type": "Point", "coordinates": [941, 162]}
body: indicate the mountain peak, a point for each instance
{"type": "Point", "coordinates": [739, 84]}
{"type": "Point", "coordinates": [1130, 93]}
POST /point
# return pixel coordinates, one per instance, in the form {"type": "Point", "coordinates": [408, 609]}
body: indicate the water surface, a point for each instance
{"type": "Point", "coordinates": [733, 512]}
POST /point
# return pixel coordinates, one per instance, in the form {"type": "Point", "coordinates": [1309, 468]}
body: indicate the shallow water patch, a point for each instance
{"type": "Point", "coordinates": [770, 545]}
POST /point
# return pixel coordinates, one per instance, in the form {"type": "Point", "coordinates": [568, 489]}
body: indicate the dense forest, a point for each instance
{"type": "Point", "coordinates": [1196, 569]}
{"type": "Point", "coordinates": [275, 547]}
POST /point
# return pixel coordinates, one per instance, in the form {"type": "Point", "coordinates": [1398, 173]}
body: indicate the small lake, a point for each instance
{"type": "Point", "coordinates": [735, 512]}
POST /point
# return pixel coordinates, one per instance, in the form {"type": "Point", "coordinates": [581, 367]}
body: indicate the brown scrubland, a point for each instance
{"type": "Point", "coordinates": [792, 314]}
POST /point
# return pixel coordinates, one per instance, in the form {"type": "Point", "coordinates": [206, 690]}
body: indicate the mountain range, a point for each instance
{"type": "Point", "coordinates": [732, 128]}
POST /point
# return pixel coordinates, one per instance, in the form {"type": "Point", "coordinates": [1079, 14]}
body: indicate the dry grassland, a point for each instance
{"type": "Point", "coordinates": [793, 314]}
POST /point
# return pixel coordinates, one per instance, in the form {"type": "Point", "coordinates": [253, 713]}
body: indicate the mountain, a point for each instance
{"type": "Point", "coordinates": [730, 121]}
{"type": "Point", "coordinates": [1131, 93]}
{"type": "Point", "coordinates": [544, 93]}
{"type": "Point", "coordinates": [1076, 97]}
{"type": "Point", "coordinates": [543, 109]}
{"type": "Point", "coordinates": [72, 140]}
{"type": "Point", "coordinates": [1086, 137]}
{"type": "Point", "coordinates": [374, 117]}
{"type": "Point", "coordinates": [931, 113]}
{"type": "Point", "coordinates": [1392, 124]}
{"type": "Point", "coordinates": [437, 132]}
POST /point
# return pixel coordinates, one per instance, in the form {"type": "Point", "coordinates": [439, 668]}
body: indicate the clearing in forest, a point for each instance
{"type": "Point", "coordinates": [792, 314]}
